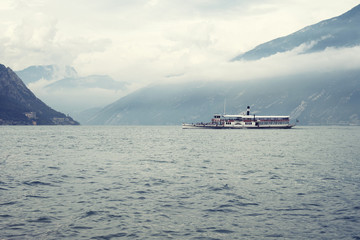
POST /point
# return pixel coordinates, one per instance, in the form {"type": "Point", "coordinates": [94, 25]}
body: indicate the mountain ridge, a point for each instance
{"type": "Point", "coordinates": [340, 31]}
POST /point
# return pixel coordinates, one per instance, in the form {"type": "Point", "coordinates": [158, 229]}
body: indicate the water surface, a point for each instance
{"type": "Point", "coordinates": [84, 182]}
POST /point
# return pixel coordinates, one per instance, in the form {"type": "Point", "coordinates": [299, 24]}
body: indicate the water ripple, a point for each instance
{"type": "Point", "coordinates": [164, 183]}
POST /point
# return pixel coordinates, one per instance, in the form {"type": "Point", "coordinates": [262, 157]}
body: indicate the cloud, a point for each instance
{"type": "Point", "coordinates": [279, 65]}
{"type": "Point", "coordinates": [143, 41]}
{"type": "Point", "coordinates": [147, 41]}
{"type": "Point", "coordinates": [35, 40]}
{"type": "Point", "coordinates": [34, 33]}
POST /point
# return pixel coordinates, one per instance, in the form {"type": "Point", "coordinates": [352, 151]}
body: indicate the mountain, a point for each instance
{"type": "Point", "coordinates": [19, 106]}
{"type": "Point", "coordinates": [338, 32]}
{"type": "Point", "coordinates": [64, 89]}
{"type": "Point", "coordinates": [49, 72]}
{"type": "Point", "coordinates": [322, 98]}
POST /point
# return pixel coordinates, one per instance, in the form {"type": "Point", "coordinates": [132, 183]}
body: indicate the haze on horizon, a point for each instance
{"type": "Point", "coordinates": [141, 42]}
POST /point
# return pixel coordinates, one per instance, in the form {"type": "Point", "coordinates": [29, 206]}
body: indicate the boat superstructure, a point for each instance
{"type": "Point", "coordinates": [240, 121]}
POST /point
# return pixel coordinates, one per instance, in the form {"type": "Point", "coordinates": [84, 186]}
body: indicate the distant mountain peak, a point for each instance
{"type": "Point", "coordinates": [337, 32]}
{"type": "Point", "coordinates": [47, 72]}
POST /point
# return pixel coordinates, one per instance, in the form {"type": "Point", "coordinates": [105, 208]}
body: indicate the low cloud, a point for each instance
{"type": "Point", "coordinates": [72, 100]}
{"type": "Point", "coordinates": [278, 65]}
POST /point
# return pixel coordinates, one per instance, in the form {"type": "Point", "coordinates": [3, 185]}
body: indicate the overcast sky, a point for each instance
{"type": "Point", "coordinates": [148, 40]}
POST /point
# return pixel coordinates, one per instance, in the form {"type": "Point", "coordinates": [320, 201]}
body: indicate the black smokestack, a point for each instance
{"type": "Point", "coordinates": [248, 111]}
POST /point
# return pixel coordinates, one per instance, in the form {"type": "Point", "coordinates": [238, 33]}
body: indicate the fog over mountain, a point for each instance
{"type": "Point", "coordinates": [49, 72]}
{"type": "Point", "coordinates": [327, 91]}
{"type": "Point", "coordinates": [337, 32]}
{"type": "Point", "coordinates": [311, 75]}
{"type": "Point", "coordinates": [63, 88]}
{"type": "Point", "coordinates": [322, 98]}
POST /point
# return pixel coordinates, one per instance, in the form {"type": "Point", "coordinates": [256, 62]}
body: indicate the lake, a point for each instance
{"type": "Point", "coordinates": [163, 182]}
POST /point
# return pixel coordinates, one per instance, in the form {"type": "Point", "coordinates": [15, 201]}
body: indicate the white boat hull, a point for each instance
{"type": "Point", "coordinates": [212, 126]}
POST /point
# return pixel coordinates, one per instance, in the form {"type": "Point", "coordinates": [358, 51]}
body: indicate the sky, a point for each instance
{"type": "Point", "coordinates": [144, 41]}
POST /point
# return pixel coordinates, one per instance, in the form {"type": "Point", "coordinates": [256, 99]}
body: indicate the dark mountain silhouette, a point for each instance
{"type": "Point", "coordinates": [338, 32]}
{"type": "Point", "coordinates": [19, 106]}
